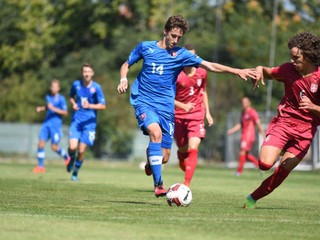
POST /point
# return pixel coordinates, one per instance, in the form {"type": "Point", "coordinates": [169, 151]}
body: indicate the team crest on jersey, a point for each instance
{"type": "Point", "coordinates": [173, 53]}
{"type": "Point", "coordinates": [142, 116]}
{"type": "Point", "coordinates": [92, 90]}
{"type": "Point", "coordinates": [314, 87]}
{"type": "Point", "coordinates": [199, 82]}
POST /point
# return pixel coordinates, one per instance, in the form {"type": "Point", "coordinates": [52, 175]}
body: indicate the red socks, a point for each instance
{"type": "Point", "coordinates": [190, 164]}
{"type": "Point", "coordinates": [253, 159]}
{"type": "Point", "coordinates": [271, 183]}
{"type": "Point", "coordinates": [264, 166]}
{"type": "Point", "coordinates": [182, 156]}
{"type": "Point", "coordinates": [242, 161]}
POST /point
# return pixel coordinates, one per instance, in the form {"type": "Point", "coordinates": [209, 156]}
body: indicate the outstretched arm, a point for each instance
{"type": "Point", "coordinates": [262, 72]}
{"type": "Point", "coordinates": [219, 68]}
{"type": "Point", "coordinates": [123, 85]}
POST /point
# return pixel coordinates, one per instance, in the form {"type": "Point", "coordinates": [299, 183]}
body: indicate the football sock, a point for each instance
{"type": "Point", "coordinates": [155, 160]}
{"type": "Point", "coordinates": [72, 154]}
{"type": "Point", "coordinates": [41, 155]}
{"type": "Point", "coordinates": [253, 159]}
{"type": "Point", "coordinates": [264, 166]}
{"type": "Point", "coordinates": [77, 167]}
{"type": "Point", "coordinates": [190, 164]}
{"type": "Point", "coordinates": [63, 153]}
{"type": "Point", "coordinates": [182, 156]}
{"type": "Point", "coordinates": [271, 183]}
{"type": "Point", "coordinates": [242, 161]}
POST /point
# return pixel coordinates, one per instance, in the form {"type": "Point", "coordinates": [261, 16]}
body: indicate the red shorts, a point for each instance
{"type": "Point", "coordinates": [246, 144]}
{"type": "Point", "coordinates": [186, 128]}
{"type": "Point", "coordinates": [290, 135]}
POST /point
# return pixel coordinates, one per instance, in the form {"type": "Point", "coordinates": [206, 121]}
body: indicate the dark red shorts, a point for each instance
{"type": "Point", "coordinates": [290, 135]}
{"type": "Point", "coordinates": [186, 128]}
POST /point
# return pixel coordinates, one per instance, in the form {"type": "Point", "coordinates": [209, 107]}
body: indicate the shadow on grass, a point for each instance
{"type": "Point", "coordinates": [133, 202]}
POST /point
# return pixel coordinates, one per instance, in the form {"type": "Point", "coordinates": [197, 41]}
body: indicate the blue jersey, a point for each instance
{"type": "Point", "coordinates": [155, 84]}
{"type": "Point", "coordinates": [52, 118]}
{"type": "Point", "coordinates": [93, 94]}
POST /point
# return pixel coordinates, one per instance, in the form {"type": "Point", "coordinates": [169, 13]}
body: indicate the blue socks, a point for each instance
{"type": "Point", "coordinates": [41, 154]}
{"type": "Point", "coordinates": [63, 153]}
{"type": "Point", "coordinates": [77, 167]}
{"type": "Point", "coordinates": [155, 161]}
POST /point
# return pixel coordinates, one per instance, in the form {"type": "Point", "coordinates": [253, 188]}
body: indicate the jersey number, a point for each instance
{"type": "Point", "coordinates": [191, 91]}
{"type": "Point", "coordinates": [157, 69]}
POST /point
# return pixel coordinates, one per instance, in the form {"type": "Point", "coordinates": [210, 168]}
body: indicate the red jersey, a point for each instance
{"type": "Point", "coordinates": [249, 118]}
{"type": "Point", "coordinates": [191, 89]}
{"type": "Point", "coordinates": [295, 86]}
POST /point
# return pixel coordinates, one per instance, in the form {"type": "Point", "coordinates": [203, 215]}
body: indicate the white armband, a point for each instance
{"type": "Point", "coordinates": [123, 79]}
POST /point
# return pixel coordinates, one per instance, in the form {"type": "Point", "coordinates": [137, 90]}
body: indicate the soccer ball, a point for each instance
{"type": "Point", "coordinates": [179, 195]}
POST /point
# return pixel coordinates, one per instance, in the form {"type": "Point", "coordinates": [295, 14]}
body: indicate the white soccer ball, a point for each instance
{"type": "Point", "coordinates": [179, 195]}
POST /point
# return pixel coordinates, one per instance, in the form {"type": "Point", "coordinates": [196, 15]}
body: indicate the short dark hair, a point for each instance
{"type": "Point", "coordinates": [177, 21]}
{"type": "Point", "coordinates": [309, 44]}
{"type": "Point", "coordinates": [86, 65]}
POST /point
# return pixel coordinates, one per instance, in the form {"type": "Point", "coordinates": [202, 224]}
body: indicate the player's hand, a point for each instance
{"type": "Point", "coordinates": [305, 103]}
{"type": "Point", "coordinates": [189, 106]}
{"type": "Point", "coordinates": [85, 104]}
{"type": "Point", "coordinates": [50, 106]}
{"type": "Point", "coordinates": [123, 86]}
{"type": "Point", "coordinates": [259, 77]}
{"type": "Point", "coordinates": [247, 73]}
{"type": "Point", "coordinates": [40, 109]}
{"type": "Point", "coordinates": [75, 107]}
{"type": "Point", "coordinates": [209, 119]}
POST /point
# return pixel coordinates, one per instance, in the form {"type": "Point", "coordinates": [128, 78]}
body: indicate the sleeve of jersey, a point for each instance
{"type": "Point", "coordinates": [279, 73]}
{"type": "Point", "coordinates": [135, 55]}
{"type": "Point", "coordinates": [63, 103]}
{"type": "Point", "coordinates": [100, 96]}
{"type": "Point", "coordinates": [72, 92]}
{"type": "Point", "coordinates": [192, 59]}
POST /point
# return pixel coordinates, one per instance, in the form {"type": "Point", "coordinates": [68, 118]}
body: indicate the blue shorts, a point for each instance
{"type": "Point", "coordinates": [49, 132]}
{"type": "Point", "coordinates": [83, 131]}
{"type": "Point", "coordinates": [147, 115]}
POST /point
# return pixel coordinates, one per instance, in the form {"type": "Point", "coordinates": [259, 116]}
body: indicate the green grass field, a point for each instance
{"type": "Point", "coordinates": [116, 201]}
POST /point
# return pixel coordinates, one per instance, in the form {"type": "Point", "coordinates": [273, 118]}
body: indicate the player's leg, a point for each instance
{"type": "Point", "coordinates": [253, 159]}
{"type": "Point", "coordinates": [242, 161]}
{"type": "Point", "coordinates": [56, 135]}
{"type": "Point", "coordinates": [86, 139]}
{"type": "Point", "coordinates": [155, 157]}
{"type": "Point", "coordinates": [79, 161]}
{"type": "Point", "coordinates": [74, 136]}
{"type": "Point", "coordinates": [43, 137]}
{"type": "Point", "coordinates": [192, 160]}
{"type": "Point", "coordinates": [288, 162]}
{"type": "Point", "coordinates": [181, 138]}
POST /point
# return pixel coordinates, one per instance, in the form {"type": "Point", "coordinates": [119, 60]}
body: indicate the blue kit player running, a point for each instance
{"type": "Point", "coordinates": [153, 91]}
{"type": "Point", "coordinates": [86, 97]}
{"type": "Point", "coordinates": [56, 107]}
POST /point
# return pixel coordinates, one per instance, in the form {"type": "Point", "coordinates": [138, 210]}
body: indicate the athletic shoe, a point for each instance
{"type": "Point", "coordinates": [147, 169]}
{"type": "Point", "coordinates": [250, 202]}
{"type": "Point", "coordinates": [160, 191]}
{"type": "Point", "coordinates": [39, 169]}
{"type": "Point", "coordinates": [70, 165]}
{"type": "Point", "coordinates": [66, 162]}
{"type": "Point", "coordinates": [237, 174]}
{"type": "Point", "coordinates": [74, 178]}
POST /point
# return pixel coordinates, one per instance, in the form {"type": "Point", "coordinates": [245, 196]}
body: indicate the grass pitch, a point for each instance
{"type": "Point", "coordinates": [116, 201]}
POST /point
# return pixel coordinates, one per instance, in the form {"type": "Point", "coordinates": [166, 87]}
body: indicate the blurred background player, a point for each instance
{"type": "Point", "coordinates": [86, 97]}
{"type": "Point", "coordinates": [249, 120]}
{"type": "Point", "coordinates": [56, 108]}
{"type": "Point", "coordinates": [191, 106]}
{"type": "Point", "coordinates": [292, 130]}
{"type": "Point", "coordinates": [153, 91]}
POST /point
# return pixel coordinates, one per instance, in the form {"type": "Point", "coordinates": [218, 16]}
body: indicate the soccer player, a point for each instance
{"type": "Point", "coordinates": [86, 97]}
{"type": "Point", "coordinates": [153, 91]}
{"type": "Point", "coordinates": [291, 131]}
{"type": "Point", "coordinates": [249, 119]}
{"type": "Point", "coordinates": [55, 108]}
{"type": "Point", "coordinates": [191, 107]}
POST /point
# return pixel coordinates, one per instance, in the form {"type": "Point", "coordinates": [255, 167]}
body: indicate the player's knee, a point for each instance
{"type": "Point", "coordinates": [264, 166]}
